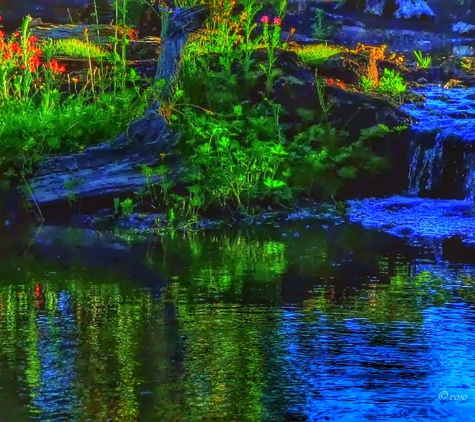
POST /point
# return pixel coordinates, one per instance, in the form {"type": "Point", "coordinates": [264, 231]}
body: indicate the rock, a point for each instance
{"type": "Point", "coordinates": [346, 66]}
{"type": "Point", "coordinates": [144, 48]}
{"type": "Point", "coordinates": [452, 68]}
{"type": "Point", "coordinates": [463, 28]}
{"type": "Point", "coordinates": [405, 9]}
{"type": "Point", "coordinates": [417, 217]}
{"type": "Point", "coordinates": [413, 9]}
{"type": "Point", "coordinates": [295, 88]}
{"type": "Point", "coordinates": [422, 81]}
{"type": "Point", "coordinates": [12, 209]}
{"type": "Point", "coordinates": [375, 7]}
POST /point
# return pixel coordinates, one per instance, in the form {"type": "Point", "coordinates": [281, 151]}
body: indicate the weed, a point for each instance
{"type": "Point", "coordinates": [316, 54]}
{"type": "Point", "coordinates": [127, 207]}
{"type": "Point", "coordinates": [392, 83]}
{"type": "Point", "coordinates": [422, 62]}
{"type": "Point", "coordinates": [367, 84]}
{"type": "Point", "coordinates": [72, 47]}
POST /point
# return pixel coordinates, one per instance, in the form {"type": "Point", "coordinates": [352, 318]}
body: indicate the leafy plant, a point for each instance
{"type": "Point", "coordinates": [127, 207]}
{"type": "Point", "coordinates": [320, 30]}
{"type": "Point", "coordinates": [423, 62]}
{"type": "Point", "coordinates": [367, 84]}
{"type": "Point", "coordinates": [392, 83]}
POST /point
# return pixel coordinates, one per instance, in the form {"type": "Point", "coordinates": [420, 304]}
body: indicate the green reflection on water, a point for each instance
{"type": "Point", "coordinates": [199, 350]}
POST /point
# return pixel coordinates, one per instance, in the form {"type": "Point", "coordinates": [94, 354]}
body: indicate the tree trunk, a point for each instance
{"type": "Point", "coordinates": [175, 32]}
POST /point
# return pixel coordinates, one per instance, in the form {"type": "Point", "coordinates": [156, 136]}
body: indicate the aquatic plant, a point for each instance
{"type": "Point", "coordinates": [422, 62]}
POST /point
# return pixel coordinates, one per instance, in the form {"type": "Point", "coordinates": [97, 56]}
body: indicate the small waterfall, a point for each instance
{"type": "Point", "coordinates": [414, 176]}
{"type": "Point", "coordinates": [425, 166]}
{"type": "Point", "coordinates": [470, 176]}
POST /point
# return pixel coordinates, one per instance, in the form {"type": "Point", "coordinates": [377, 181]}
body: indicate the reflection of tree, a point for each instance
{"type": "Point", "coordinates": [57, 353]}
{"type": "Point", "coordinates": [78, 336]}
{"type": "Point", "coordinates": [403, 299]}
{"type": "Point", "coordinates": [217, 343]}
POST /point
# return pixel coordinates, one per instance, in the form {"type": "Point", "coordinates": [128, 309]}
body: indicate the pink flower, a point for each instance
{"type": "Point", "coordinates": [277, 21]}
{"type": "Point", "coordinates": [265, 19]}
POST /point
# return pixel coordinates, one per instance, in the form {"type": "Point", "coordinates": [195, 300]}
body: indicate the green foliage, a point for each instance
{"type": "Point", "coordinates": [320, 30]}
{"type": "Point", "coordinates": [316, 54]}
{"type": "Point", "coordinates": [30, 129]}
{"type": "Point", "coordinates": [236, 158]}
{"type": "Point", "coordinates": [72, 47]}
{"type": "Point", "coordinates": [235, 153]}
{"type": "Point", "coordinates": [39, 117]}
{"type": "Point", "coordinates": [127, 206]}
{"type": "Point", "coordinates": [367, 84]}
{"type": "Point", "coordinates": [327, 158]}
{"type": "Point", "coordinates": [392, 83]}
{"type": "Point", "coordinates": [422, 62]}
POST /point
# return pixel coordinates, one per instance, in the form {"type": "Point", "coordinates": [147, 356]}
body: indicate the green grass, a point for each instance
{"type": "Point", "coordinates": [316, 54]}
{"type": "Point", "coordinates": [72, 47]}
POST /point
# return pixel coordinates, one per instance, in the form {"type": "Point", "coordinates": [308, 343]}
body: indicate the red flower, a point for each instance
{"type": "Point", "coordinates": [34, 63]}
{"type": "Point", "coordinates": [331, 81]}
{"type": "Point", "coordinates": [277, 21]}
{"type": "Point", "coordinates": [55, 67]}
{"type": "Point", "coordinates": [15, 47]}
{"type": "Point", "coordinates": [265, 19]}
{"type": "Point", "coordinates": [16, 34]}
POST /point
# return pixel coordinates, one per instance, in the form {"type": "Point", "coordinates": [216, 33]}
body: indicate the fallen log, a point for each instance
{"type": "Point", "coordinates": [94, 33]}
{"type": "Point", "coordinates": [115, 168]}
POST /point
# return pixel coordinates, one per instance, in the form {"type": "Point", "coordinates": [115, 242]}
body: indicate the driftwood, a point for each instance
{"type": "Point", "coordinates": [95, 33]}
{"type": "Point", "coordinates": [114, 168]}
{"type": "Point", "coordinates": [175, 33]}
{"type": "Point", "coordinates": [106, 169]}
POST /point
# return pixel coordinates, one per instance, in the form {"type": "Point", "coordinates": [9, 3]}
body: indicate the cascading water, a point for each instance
{"type": "Point", "coordinates": [470, 177]}
{"type": "Point", "coordinates": [425, 166]}
{"type": "Point", "coordinates": [439, 202]}
{"type": "Point", "coordinates": [442, 162]}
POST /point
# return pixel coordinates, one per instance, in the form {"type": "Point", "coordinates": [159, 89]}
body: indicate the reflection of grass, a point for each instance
{"type": "Point", "coordinates": [403, 299]}
{"type": "Point", "coordinates": [315, 54]}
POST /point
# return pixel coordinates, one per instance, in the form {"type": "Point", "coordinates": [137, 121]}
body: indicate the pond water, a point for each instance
{"type": "Point", "coordinates": [312, 321]}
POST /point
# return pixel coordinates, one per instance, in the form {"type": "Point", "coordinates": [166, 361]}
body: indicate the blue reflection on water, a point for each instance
{"type": "Point", "coordinates": [56, 398]}
{"type": "Point", "coordinates": [355, 370]}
